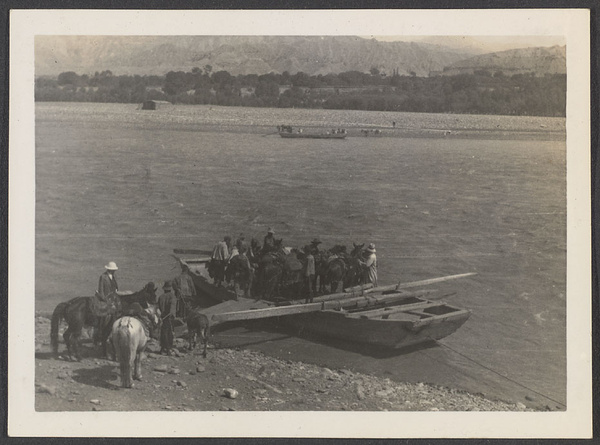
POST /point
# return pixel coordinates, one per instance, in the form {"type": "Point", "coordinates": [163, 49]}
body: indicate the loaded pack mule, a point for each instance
{"type": "Point", "coordinates": [129, 337]}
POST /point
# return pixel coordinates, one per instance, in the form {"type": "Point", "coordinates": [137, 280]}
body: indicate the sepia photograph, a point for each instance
{"type": "Point", "coordinates": [258, 218]}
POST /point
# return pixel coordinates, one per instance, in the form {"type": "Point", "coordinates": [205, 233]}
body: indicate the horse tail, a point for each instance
{"type": "Point", "coordinates": [206, 333]}
{"type": "Point", "coordinates": [126, 353]}
{"type": "Point", "coordinates": [57, 315]}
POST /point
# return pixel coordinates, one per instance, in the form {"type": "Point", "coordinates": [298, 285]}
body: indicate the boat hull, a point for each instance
{"type": "Point", "coordinates": [311, 136]}
{"type": "Point", "coordinates": [382, 333]}
{"type": "Point", "coordinates": [390, 320]}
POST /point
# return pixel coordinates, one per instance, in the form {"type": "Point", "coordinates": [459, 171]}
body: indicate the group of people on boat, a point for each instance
{"type": "Point", "coordinates": [290, 129]}
{"type": "Point", "coordinates": [373, 131]}
{"type": "Point", "coordinates": [270, 270]}
{"type": "Point", "coordinates": [286, 129]}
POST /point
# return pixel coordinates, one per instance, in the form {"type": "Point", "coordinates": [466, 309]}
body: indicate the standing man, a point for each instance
{"type": "Point", "coordinates": [241, 242]}
{"type": "Point", "coordinates": [244, 272]}
{"type": "Point", "coordinates": [106, 301]}
{"type": "Point", "coordinates": [185, 291]}
{"type": "Point", "coordinates": [310, 273]}
{"type": "Point", "coordinates": [269, 241]}
{"type": "Point", "coordinates": [220, 257]}
{"type": "Point", "coordinates": [314, 245]}
{"type": "Point", "coordinates": [167, 303]}
{"type": "Point", "coordinates": [371, 265]}
{"type": "Point", "coordinates": [107, 285]}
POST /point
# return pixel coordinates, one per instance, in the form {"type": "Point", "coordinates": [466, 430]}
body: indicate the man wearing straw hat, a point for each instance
{"type": "Point", "coordinates": [107, 284]}
{"type": "Point", "coordinates": [371, 265]}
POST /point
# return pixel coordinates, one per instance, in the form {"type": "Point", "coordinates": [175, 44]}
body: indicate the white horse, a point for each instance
{"type": "Point", "coordinates": [129, 340]}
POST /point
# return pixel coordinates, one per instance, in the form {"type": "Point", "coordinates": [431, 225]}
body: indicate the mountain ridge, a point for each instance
{"type": "Point", "coordinates": [537, 60]}
{"type": "Point", "coordinates": [313, 55]}
{"type": "Point", "coordinates": [237, 55]}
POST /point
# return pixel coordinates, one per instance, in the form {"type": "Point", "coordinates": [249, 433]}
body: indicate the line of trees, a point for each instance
{"type": "Point", "coordinates": [482, 92]}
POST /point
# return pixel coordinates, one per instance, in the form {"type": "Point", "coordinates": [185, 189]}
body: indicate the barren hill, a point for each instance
{"type": "Point", "coordinates": [539, 61]}
{"type": "Point", "coordinates": [237, 55]}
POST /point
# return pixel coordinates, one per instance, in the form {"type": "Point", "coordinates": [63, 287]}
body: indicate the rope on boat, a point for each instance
{"type": "Point", "coordinates": [501, 375]}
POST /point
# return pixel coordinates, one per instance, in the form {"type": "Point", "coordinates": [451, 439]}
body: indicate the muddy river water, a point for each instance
{"type": "Point", "coordinates": [114, 183]}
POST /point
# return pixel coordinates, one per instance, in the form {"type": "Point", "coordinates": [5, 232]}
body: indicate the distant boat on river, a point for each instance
{"type": "Point", "coordinates": [290, 133]}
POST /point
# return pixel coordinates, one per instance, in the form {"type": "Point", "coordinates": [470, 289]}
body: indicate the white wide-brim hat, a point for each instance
{"type": "Point", "coordinates": [111, 266]}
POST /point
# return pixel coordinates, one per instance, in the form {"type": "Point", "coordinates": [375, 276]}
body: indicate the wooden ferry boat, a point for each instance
{"type": "Point", "coordinates": [386, 316]}
{"type": "Point", "coordinates": [287, 135]}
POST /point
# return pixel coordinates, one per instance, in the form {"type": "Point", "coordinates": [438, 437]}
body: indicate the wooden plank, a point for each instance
{"type": "Point", "coordinates": [278, 311]}
{"type": "Point", "coordinates": [192, 252]}
{"type": "Point", "coordinates": [375, 313]}
{"type": "Point", "coordinates": [196, 260]}
{"type": "Point", "coordinates": [347, 295]}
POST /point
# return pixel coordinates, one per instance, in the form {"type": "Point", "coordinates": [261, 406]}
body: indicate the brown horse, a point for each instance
{"type": "Point", "coordinates": [85, 311]}
{"type": "Point", "coordinates": [270, 272]}
{"type": "Point", "coordinates": [354, 269]}
{"type": "Point", "coordinates": [292, 283]}
{"type": "Point", "coordinates": [197, 324]}
{"type": "Point", "coordinates": [331, 268]}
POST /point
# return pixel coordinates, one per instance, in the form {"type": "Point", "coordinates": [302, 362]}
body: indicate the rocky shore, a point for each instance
{"type": "Point", "coordinates": [228, 380]}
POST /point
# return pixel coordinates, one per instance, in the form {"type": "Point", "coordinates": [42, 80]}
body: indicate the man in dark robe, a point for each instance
{"type": "Point", "coordinates": [167, 303]}
{"type": "Point", "coordinates": [185, 291]}
{"type": "Point", "coordinates": [269, 241]}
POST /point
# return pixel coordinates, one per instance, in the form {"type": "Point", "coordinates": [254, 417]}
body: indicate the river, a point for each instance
{"type": "Point", "coordinates": [438, 195]}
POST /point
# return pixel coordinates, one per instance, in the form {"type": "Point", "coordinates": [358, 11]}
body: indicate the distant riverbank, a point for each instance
{"type": "Point", "coordinates": [362, 124]}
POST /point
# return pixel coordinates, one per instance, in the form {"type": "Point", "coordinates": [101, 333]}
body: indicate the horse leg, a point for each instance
{"type": "Point", "coordinates": [126, 358]}
{"type": "Point", "coordinates": [71, 337]}
{"type": "Point", "coordinates": [191, 338]}
{"type": "Point", "coordinates": [67, 338]}
{"type": "Point", "coordinates": [137, 366]}
{"type": "Point", "coordinates": [205, 335]}
{"type": "Point", "coordinates": [113, 350]}
{"type": "Point", "coordinates": [204, 340]}
{"type": "Point", "coordinates": [74, 340]}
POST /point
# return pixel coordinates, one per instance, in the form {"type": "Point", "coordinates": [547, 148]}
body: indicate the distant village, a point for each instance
{"type": "Point", "coordinates": [470, 91]}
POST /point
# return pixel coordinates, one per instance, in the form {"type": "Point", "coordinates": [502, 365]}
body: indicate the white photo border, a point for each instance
{"type": "Point", "coordinates": [23, 420]}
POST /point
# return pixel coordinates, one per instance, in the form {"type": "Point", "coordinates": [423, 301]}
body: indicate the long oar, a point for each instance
{"type": "Point", "coordinates": [419, 283]}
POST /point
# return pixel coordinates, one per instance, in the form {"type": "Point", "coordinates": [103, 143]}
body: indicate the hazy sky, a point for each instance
{"type": "Point", "coordinates": [481, 43]}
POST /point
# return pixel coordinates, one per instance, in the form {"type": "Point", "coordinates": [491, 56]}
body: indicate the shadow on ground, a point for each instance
{"type": "Point", "coordinates": [99, 377]}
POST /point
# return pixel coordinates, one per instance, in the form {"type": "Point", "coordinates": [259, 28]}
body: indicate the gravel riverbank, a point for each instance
{"type": "Point", "coordinates": [229, 380]}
